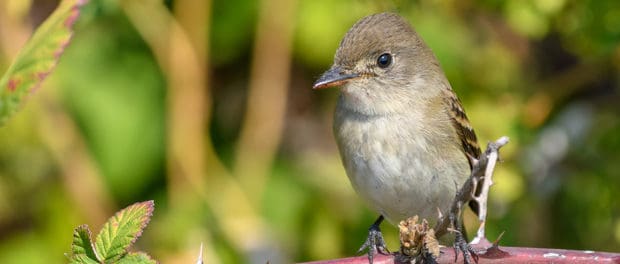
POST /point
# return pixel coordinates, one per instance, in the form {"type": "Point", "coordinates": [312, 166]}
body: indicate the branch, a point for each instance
{"type": "Point", "coordinates": [491, 155]}
{"type": "Point", "coordinates": [502, 255]}
{"type": "Point", "coordinates": [481, 174]}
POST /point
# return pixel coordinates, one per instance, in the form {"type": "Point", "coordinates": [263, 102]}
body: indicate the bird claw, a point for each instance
{"type": "Point", "coordinates": [374, 243]}
{"type": "Point", "coordinates": [461, 245]}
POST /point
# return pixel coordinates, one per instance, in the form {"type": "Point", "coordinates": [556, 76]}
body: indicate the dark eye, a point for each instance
{"type": "Point", "coordinates": [384, 60]}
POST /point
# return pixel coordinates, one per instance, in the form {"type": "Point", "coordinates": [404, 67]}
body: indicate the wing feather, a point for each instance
{"type": "Point", "coordinates": [466, 134]}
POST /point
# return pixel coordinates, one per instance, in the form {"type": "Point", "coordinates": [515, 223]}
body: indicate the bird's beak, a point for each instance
{"type": "Point", "coordinates": [333, 77]}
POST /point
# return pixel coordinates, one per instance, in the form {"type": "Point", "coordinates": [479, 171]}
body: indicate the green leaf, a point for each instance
{"type": "Point", "coordinates": [38, 57]}
{"type": "Point", "coordinates": [82, 247]}
{"type": "Point", "coordinates": [122, 230]}
{"type": "Point", "coordinates": [137, 258]}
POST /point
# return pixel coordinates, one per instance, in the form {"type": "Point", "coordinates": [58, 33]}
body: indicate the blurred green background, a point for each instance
{"type": "Point", "coordinates": [207, 108]}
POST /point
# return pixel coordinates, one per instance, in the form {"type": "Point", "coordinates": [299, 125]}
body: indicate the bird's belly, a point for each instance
{"type": "Point", "coordinates": [397, 190]}
{"type": "Point", "coordinates": [397, 172]}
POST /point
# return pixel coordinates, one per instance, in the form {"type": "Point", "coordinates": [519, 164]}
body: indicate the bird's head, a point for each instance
{"type": "Point", "coordinates": [382, 63]}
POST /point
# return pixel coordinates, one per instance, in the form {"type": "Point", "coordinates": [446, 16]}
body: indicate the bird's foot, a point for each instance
{"type": "Point", "coordinates": [461, 245]}
{"type": "Point", "coordinates": [374, 243]}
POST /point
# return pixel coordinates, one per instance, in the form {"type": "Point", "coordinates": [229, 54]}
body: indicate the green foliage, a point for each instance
{"type": "Point", "coordinates": [510, 62]}
{"type": "Point", "coordinates": [237, 19]}
{"type": "Point", "coordinates": [38, 57]}
{"type": "Point", "coordinates": [136, 258]}
{"type": "Point", "coordinates": [114, 239]}
{"type": "Point", "coordinates": [113, 110]}
{"type": "Point", "coordinates": [82, 248]}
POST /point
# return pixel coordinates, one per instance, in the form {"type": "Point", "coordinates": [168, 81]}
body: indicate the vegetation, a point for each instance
{"type": "Point", "coordinates": [206, 108]}
{"type": "Point", "coordinates": [116, 236]}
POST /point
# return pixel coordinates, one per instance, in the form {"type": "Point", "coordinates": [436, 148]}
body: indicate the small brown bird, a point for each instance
{"type": "Point", "coordinates": [402, 133]}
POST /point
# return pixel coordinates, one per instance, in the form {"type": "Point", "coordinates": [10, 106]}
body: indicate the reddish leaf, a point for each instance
{"type": "Point", "coordinates": [38, 57]}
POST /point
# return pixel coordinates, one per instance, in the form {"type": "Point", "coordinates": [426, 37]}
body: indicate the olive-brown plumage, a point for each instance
{"type": "Point", "coordinates": [402, 133]}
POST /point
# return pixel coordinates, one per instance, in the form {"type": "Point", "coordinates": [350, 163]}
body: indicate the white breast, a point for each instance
{"type": "Point", "coordinates": [393, 166]}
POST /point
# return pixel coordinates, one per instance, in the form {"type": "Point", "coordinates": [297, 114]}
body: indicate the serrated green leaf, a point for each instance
{"type": "Point", "coordinates": [38, 57]}
{"type": "Point", "coordinates": [122, 230]}
{"type": "Point", "coordinates": [136, 258]}
{"type": "Point", "coordinates": [82, 247]}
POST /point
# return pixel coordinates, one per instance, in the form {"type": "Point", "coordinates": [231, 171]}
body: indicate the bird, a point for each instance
{"type": "Point", "coordinates": [403, 136]}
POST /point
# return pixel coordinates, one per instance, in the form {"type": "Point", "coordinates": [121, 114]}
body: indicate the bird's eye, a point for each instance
{"type": "Point", "coordinates": [384, 60]}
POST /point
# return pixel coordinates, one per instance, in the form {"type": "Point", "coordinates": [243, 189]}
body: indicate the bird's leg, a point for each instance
{"type": "Point", "coordinates": [374, 242]}
{"type": "Point", "coordinates": [460, 242]}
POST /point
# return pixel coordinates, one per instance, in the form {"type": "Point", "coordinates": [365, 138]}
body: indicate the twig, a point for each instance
{"type": "Point", "coordinates": [199, 260]}
{"type": "Point", "coordinates": [487, 181]}
{"type": "Point", "coordinates": [481, 174]}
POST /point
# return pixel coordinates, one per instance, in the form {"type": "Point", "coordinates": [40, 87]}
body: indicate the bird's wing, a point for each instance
{"type": "Point", "coordinates": [465, 131]}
